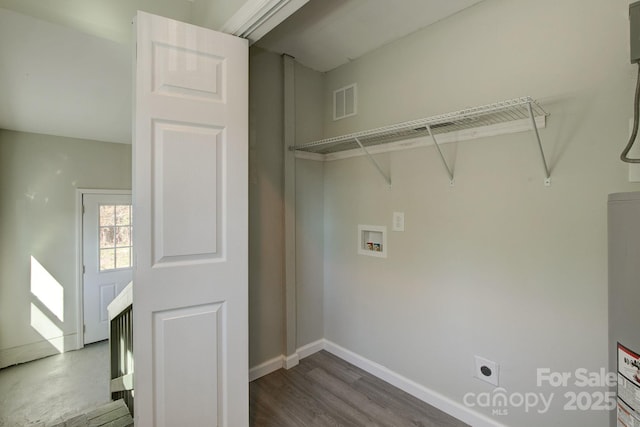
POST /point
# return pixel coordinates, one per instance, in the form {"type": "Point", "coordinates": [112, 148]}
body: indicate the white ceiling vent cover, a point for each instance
{"type": "Point", "coordinates": [345, 102]}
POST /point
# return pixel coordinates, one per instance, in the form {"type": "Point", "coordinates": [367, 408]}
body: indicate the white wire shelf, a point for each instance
{"type": "Point", "coordinates": [486, 115]}
{"type": "Point", "coordinates": [521, 110]}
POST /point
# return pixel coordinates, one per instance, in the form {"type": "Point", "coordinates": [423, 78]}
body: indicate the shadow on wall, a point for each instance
{"type": "Point", "coordinates": [47, 305]}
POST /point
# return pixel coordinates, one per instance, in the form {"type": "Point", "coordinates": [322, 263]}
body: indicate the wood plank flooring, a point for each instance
{"type": "Point", "coordinates": [324, 390]}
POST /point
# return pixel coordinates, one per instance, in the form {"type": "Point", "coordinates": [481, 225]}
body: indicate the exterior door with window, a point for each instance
{"type": "Point", "coordinates": [107, 258]}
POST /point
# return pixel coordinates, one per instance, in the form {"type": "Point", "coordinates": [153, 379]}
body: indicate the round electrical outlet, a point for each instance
{"type": "Point", "coordinates": [486, 371]}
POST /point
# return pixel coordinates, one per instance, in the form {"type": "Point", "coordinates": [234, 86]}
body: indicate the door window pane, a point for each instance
{"type": "Point", "coordinates": [123, 236]}
{"type": "Point", "coordinates": [115, 237]}
{"type": "Point", "coordinates": [107, 215]}
{"type": "Point", "coordinates": [123, 257]}
{"type": "Point", "coordinates": [123, 215]}
{"type": "Point", "coordinates": [107, 259]}
{"type": "Point", "coordinates": [106, 237]}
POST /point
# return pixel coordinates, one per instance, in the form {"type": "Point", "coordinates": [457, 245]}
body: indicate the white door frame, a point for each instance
{"type": "Point", "coordinates": [255, 18]}
{"type": "Point", "coordinates": [79, 261]}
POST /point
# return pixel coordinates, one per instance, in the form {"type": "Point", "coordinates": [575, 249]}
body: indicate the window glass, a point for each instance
{"type": "Point", "coordinates": [114, 235]}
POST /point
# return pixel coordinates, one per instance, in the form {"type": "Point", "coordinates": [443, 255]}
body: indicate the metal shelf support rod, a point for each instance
{"type": "Point", "coordinates": [537, 134]}
{"type": "Point", "coordinates": [374, 162]}
{"type": "Point", "coordinates": [444, 162]}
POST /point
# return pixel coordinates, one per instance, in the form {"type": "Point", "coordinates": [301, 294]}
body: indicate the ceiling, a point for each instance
{"type": "Point", "coordinates": [325, 34]}
{"type": "Point", "coordinates": [62, 75]}
{"type": "Point", "coordinates": [59, 81]}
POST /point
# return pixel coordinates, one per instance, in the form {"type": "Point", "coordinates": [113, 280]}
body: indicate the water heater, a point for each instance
{"type": "Point", "coordinates": [624, 295]}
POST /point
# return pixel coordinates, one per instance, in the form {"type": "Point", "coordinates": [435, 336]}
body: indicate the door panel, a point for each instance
{"type": "Point", "coordinates": [190, 204]}
{"type": "Point", "coordinates": [186, 72]}
{"type": "Point", "coordinates": [180, 233]}
{"type": "Point", "coordinates": [175, 348]}
{"type": "Point", "coordinates": [105, 237]}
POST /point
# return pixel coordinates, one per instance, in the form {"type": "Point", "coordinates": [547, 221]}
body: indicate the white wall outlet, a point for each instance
{"type": "Point", "coordinates": [487, 370]}
{"type": "Point", "coordinates": [398, 221]}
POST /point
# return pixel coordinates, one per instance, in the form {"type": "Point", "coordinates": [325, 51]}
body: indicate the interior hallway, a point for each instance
{"type": "Point", "coordinates": [48, 391]}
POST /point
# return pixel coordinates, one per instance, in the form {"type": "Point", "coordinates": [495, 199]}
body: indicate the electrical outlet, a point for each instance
{"type": "Point", "coordinates": [487, 370]}
{"type": "Point", "coordinates": [398, 221]}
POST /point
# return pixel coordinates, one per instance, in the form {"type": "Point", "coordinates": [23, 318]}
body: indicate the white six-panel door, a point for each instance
{"type": "Point", "coordinates": [190, 216]}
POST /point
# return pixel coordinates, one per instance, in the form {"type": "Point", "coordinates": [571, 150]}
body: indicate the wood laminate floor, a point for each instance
{"type": "Point", "coordinates": [324, 391]}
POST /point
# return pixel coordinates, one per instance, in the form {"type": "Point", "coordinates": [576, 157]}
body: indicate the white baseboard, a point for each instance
{"type": "Point", "coordinates": [285, 362]}
{"type": "Point", "coordinates": [266, 368]}
{"type": "Point", "coordinates": [311, 348]}
{"type": "Point", "coordinates": [38, 350]}
{"type": "Point", "coordinates": [431, 397]}
{"type": "Point", "coordinates": [291, 361]}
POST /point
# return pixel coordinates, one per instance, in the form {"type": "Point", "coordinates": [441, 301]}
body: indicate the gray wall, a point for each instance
{"type": "Point", "coordinates": [266, 198]}
{"type": "Point", "coordinates": [498, 266]}
{"type": "Point", "coordinates": [39, 175]}
{"type": "Point", "coordinates": [266, 192]}
{"type": "Point", "coordinates": [309, 210]}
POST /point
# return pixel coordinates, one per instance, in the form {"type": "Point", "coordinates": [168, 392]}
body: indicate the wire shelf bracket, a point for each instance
{"type": "Point", "coordinates": [515, 115]}
{"type": "Point", "coordinates": [534, 126]}
{"type": "Point", "coordinates": [373, 161]}
{"type": "Point", "coordinates": [444, 161]}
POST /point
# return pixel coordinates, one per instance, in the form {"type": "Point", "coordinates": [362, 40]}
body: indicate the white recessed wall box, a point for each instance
{"type": "Point", "coordinates": [372, 240]}
{"type": "Point", "coordinates": [487, 370]}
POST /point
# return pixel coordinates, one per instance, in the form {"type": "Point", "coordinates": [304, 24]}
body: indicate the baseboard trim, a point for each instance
{"type": "Point", "coordinates": [311, 348]}
{"type": "Point", "coordinates": [285, 362]}
{"type": "Point", "coordinates": [266, 368]}
{"type": "Point", "coordinates": [38, 350]}
{"type": "Point", "coordinates": [419, 391]}
{"type": "Point", "coordinates": [291, 361]}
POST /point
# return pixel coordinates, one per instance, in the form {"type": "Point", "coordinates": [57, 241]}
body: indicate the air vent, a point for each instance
{"type": "Point", "coordinates": [345, 102]}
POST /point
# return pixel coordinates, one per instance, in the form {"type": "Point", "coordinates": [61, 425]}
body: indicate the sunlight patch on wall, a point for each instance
{"type": "Point", "coordinates": [47, 289]}
{"type": "Point", "coordinates": [46, 328]}
{"type": "Point", "coordinates": [49, 294]}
